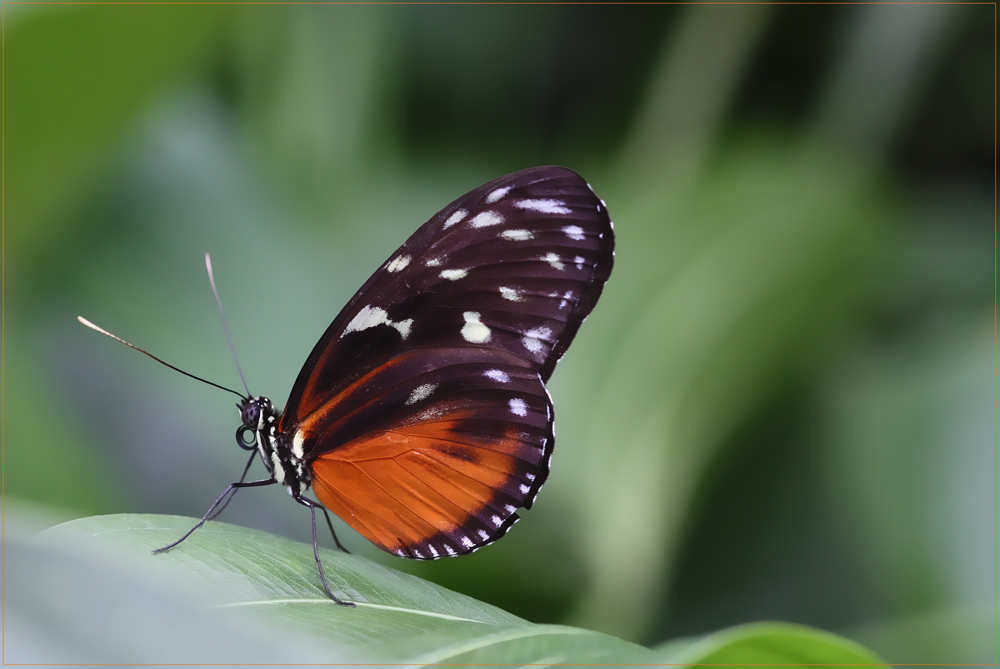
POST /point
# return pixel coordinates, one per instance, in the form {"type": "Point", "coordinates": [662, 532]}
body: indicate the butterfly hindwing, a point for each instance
{"type": "Point", "coordinates": [423, 409]}
{"type": "Point", "coordinates": [438, 449]}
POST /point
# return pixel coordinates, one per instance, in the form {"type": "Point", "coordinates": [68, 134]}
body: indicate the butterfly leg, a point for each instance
{"type": "Point", "coordinates": [305, 501]}
{"type": "Point", "coordinates": [211, 513]}
{"type": "Point", "coordinates": [329, 524]}
{"type": "Point", "coordinates": [232, 492]}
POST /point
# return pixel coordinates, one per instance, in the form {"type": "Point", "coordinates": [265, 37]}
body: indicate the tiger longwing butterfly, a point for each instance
{"type": "Point", "coordinates": [421, 416]}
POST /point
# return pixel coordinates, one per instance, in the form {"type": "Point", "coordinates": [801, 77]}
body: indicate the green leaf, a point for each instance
{"type": "Point", "coordinates": [769, 644]}
{"type": "Point", "coordinates": [90, 590]}
{"type": "Point", "coordinates": [231, 594]}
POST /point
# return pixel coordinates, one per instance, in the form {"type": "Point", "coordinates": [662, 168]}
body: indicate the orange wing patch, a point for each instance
{"type": "Point", "coordinates": [429, 489]}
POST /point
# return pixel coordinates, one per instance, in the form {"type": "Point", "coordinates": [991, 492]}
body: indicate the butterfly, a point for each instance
{"type": "Point", "coordinates": [421, 416]}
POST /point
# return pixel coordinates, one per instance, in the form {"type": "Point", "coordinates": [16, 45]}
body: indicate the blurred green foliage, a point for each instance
{"type": "Point", "coordinates": [781, 407]}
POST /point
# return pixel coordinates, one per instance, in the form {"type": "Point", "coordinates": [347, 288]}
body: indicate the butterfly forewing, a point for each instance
{"type": "Point", "coordinates": [422, 408]}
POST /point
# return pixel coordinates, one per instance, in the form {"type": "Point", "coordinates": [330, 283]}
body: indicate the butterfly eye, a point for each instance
{"type": "Point", "coordinates": [250, 414]}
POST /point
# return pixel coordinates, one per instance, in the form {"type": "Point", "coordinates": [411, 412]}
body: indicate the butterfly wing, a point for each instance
{"type": "Point", "coordinates": [423, 409]}
{"type": "Point", "coordinates": [437, 449]}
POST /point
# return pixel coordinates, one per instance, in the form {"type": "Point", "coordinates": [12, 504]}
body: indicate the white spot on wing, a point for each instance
{"type": "Point", "coordinates": [497, 520]}
{"type": "Point", "coordinates": [449, 550]}
{"type": "Point", "coordinates": [398, 263]}
{"type": "Point", "coordinates": [403, 327]}
{"type": "Point", "coordinates": [518, 407]}
{"type": "Point", "coordinates": [574, 232]}
{"type": "Point", "coordinates": [510, 508]}
{"type": "Point", "coordinates": [524, 489]}
{"type": "Point", "coordinates": [433, 551]}
{"type": "Point", "coordinates": [517, 235]}
{"type": "Point", "coordinates": [369, 317]}
{"type": "Point", "coordinates": [567, 296]}
{"type": "Point", "coordinates": [455, 218]}
{"type": "Point", "coordinates": [429, 414]}
{"type": "Point", "coordinates": [497, 375]}
{"type": "Point", "coordinates": [453, 274]}
{"type": "Point", "coordinates": [579, 260]}
{"type": "Point", "coordinates": [474, 331]}
{"type": "Point", "coordinates": [421, 392]}
{"type": "Point", "coordinates": [510, 294]}
{"type": "Point", "coordinates": [467, 542]}
{"type": "Point", "coordinates": [532, 339]}
{"type": "Point", "coordinates": [433, 262]}
{"type": "Point", "coordinates": [485, 219]}
{"type": "Point", "coordinates": [554, 260]}
{"type": "Point", "coordinates": [484, 535]}
{"type": "Point", "coordinates": [532, 344]}
{"type": "Point", "coordinates": [497, 194]}
{"type": "Point", "coordinates": [417, 554]}
{"type": "Point", "coordinates": [544, 206]}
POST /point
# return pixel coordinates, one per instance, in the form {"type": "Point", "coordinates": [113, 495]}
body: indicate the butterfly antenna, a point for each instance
{"type": "Point", "coordinates": [211, 280]}
{"type": "Point", "coordinates": [176, 369]}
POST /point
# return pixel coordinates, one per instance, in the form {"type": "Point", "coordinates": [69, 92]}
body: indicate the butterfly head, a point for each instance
{"type": "Point", "coordinates": [260, 430]}
{"type": "Point", "coordinates": [256, 415]}
{"type": "Point", "coordinates": [253, 411]}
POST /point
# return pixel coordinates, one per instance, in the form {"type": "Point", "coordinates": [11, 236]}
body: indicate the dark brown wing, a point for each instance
{"type": "Point", "coordinates": [414, 438]}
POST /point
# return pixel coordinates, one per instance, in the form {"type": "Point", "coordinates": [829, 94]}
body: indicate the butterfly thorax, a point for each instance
{"type": "Point", "coordinates": [283, 461]}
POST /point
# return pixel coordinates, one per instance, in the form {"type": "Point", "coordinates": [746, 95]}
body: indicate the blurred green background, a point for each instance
{"type": "Point", "coordinates": [782, 408]}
